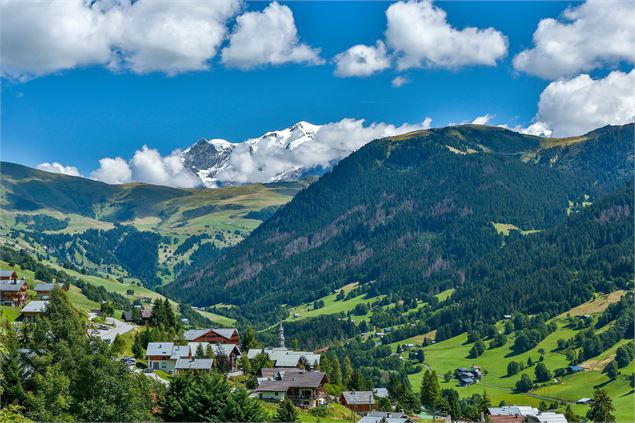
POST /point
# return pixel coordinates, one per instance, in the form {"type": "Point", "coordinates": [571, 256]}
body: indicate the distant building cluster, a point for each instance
{"type": "Point", "coordinates": [14, 293]}
{"type": "Point", "coordinates": [205, 349]}
{"type": "Point", "coordinates": [468, 376]}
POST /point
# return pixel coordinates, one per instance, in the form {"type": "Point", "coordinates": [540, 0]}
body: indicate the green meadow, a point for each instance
{"type": "Point", "coordinates": [453, 353]}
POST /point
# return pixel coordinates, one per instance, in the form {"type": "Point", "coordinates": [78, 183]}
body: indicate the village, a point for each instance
{"type": "Point", "coordinates": [287, 374]}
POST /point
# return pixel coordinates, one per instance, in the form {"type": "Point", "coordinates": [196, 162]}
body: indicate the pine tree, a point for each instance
{"type": "Point", "coordinates": [611, 370]}
{"type": "Point", "coordinates": [137, 346]}
{"type": "Point", "coordinates": [602, 408]}
{"type": "Point", "coordinates": [430, 389]}
{"type": "Point", "coordinates": [200, 351]}
{"type": "Point", "coordinates": [12, 370]}
{"type": "Point", "coordinates": [347, 371]}
{"type": "Point", "coordinates": [336, 372]}
{"type": "Point", "coordinates": [287, 412]}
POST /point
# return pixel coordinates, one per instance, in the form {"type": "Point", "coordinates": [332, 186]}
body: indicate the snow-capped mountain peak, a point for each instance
{"type": "Point", "coordinates": [288, 138]}
{"type": "Point", "coordinates": [209, 158]}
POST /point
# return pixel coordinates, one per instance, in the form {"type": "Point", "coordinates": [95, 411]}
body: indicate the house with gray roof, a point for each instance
{"type": "Point", "coordinates": [13, 292]}
{"type": "Point", "coordinates": [166, 355]}
{"type": "Point", "coordinates": [159, 356]}
{"type": "Point", "coordinates": [44, 290]}
{"type": "Point", "coordinates": [283, 357]}
{"type": "Point", "coordinates": [385, 417]}
{"type": "Point", "coordinates": [8, 275]}
{"type": "Point", "coordinates": [358, 401]}
{"type": "Point", "coordinates": [193, 365]}
{"type": "Point", "coordinates": [34, 308]}
{"type": "Point", "coordinates": [305, 389]}
{"type": "Point", "coordinates": [381, 392]}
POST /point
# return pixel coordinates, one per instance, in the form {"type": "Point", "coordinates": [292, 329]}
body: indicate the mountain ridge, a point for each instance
{"type": "Point", "coordinates": [413, 204]}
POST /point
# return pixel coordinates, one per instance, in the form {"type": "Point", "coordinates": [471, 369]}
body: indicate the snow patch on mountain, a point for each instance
{"type": "Point", "coordinates": [289, 154]}
{"type": "Point", "coordinates": [209, 159]}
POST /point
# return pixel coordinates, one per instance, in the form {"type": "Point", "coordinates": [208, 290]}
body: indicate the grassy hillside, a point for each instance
{"type": "Point", "coordinates": [33, 201]}
{"type": "Point", "coordinates": [453, 353]}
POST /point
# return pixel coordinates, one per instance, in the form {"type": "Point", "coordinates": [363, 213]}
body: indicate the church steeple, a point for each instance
{"type": "Point", "coordinates": [281, 336]}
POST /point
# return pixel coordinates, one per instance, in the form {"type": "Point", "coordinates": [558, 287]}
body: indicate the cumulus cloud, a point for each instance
{"type": "Point", "coordinates": [332, 142]}
{"type": "Point", "coordinates": [147, 165]}
{"type": "Point", "coordinates": [587, 37]}
{"type": "Point", "coordinates": [269, 37]}
{"type": "Point", "coordinates": [112, 171]}
{"type": "Point", "coordinates": [482, 120]}
{"type": "Point", "coordinates": [43, 37]}
{"type": "Point", "coordinates": [362, 60]}
{"type": "Point", "coordinates": [141, 36]}
{"type": "Point", "coordinates": [399, 81]}
{"type": "Point", "coordinates": [168, 36]}
{"type": "Point", "coordinates": [578, 105]}
{"type": "Point", "coordinates": [421, 36]}
{"type": "Point", "coordinates": [56, 167]}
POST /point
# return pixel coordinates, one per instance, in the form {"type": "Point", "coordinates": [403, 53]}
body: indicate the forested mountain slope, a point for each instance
{"type": "Point", "coordinates": [409, 213]}
{"type": "Point", "coordinates": [549, 272]}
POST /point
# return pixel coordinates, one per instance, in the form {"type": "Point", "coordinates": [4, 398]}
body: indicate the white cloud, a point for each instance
{"type": "Point", "coordinates": [421, 36]}
{"type": "Point", "coordinates": [539, 129]}
{"type": "Point", "coordinates": [362, 60]}
{"type": "Point", "coordinates": [269, 37]}
{"type": "Point", "coordinates": [578, 105]}
{"type": "Point", "coordinates": [332, 142]}
{"type": "Point", "coordinates": [56, 167]}
{"type": "Point", "coordinates": [147, 165]}
{"type": "Point", "coordinates": [43, 37]}
{"type": "Point", "coordinates": [399, 81]}
{"type": "Point", "coordinates": [169, 36]}
{"type": "Point", "coordinates": [112, 171]}
{"type": "Point", "coordinates": [483, 120]}
{"type": "Point", "coordinates": [593, 34]}
{"type": "Point", "coordinates": [142, 36]}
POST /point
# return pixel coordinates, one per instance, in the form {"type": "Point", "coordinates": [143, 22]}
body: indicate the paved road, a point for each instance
{"type": "Point", "coordinates": [119, 328]}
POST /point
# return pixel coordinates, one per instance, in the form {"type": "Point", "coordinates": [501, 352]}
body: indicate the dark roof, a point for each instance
{"type": "Point", "coordinates": [272, 371]}
{"type": "Point", "coordinates": [44, 287]}
{"type": "Point", "coordinates": [295, 380]}
{"type": "Point", "coordinates": [127, 316]}
{"type": "Point", "coordinates": [12, 286]}
{"type": "Point", "coordinates": [359, 397]}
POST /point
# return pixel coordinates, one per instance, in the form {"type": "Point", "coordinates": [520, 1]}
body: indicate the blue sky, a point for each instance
{"type": "Point", "coordinates": [80, 114]}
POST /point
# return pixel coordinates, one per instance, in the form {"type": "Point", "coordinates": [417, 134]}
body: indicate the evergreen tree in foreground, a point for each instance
{"type": "Point", "coordinates": [287, 412]}
{"type": "Point", "coordinates": [602, 408]}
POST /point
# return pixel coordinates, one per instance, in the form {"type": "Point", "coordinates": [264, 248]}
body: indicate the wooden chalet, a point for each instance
{"type": "Point", "coordinates": [213, 336]}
